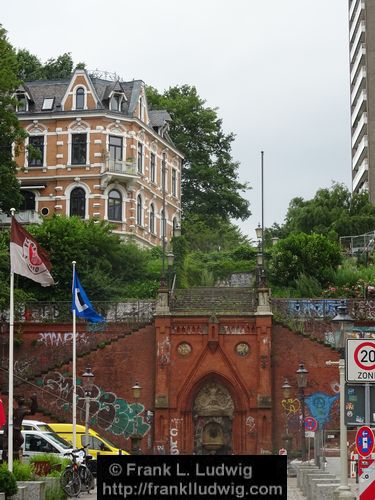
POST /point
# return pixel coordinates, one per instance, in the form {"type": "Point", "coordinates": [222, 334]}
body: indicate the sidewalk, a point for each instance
{"type": "Point", "coordinates": [293, 492]}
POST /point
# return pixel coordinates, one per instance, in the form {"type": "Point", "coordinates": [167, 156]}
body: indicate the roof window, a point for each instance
{"type": "Point", "coordinates": [48, 103]}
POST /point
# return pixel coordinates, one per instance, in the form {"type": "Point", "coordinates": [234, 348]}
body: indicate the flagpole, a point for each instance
{"type": "Point", "coordinates": [74, 402]}
{"type": "Point", "coordinates": [11, 365]}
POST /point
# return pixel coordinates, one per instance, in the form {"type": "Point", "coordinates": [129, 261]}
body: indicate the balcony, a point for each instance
{"type": "Point", "coordinates": [358, 13]}
{"type": "Point", "coordinates": [352, 8]}
{"type": "Point", "coordinates": [360, 84]}
{"type": "Point", "coordinates": [360, 106]}
{"type": "Point", "coordinates": [119, 170]}
{"type": "Point", "coordinates": [361, 153]}
{"type": "Point", "coordinates": [360, 130]}
{"type": "Point", "coordinates": [23, 217]}
{"type": "Point", "coordinates": [359, 61]}
{"type": "Point", "coordinates": [359, 38]}
{"type": "Point", "coordinates": [360, 176]}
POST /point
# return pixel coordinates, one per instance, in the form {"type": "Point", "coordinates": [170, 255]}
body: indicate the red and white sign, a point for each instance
{"type": "Point", "coordinates": [360, 360]}
{"type": "Point", "coordinates": [282, 451]}
{"type": "Point", "coordinates": [363, 464]}
{"type": "Point", "coordinates": [367, 483]}
{"type": "Point", "coordinates": [311, 424]}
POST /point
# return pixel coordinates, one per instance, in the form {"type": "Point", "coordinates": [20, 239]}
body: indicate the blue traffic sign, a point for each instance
{"type": "Point", "coordinates": [364, 440]}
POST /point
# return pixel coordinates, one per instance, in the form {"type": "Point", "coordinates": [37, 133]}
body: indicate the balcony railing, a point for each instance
{"type": "Point", "coordinates": [23, 217]}
{"type": "Point", "coordinates": [122, 167]}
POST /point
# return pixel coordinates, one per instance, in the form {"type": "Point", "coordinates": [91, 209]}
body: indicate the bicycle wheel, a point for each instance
{"type": "Point", "coordinates": [70, 482]}
{"type": "Point", "coordinates": [87, 479]}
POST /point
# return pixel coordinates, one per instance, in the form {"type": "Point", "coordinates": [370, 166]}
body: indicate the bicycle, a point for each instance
{"type": "Point", "coordinates": [77, 477]}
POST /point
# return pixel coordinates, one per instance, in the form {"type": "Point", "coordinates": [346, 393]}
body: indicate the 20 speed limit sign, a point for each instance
{"type": "Point", "coordinates": [360, 360]}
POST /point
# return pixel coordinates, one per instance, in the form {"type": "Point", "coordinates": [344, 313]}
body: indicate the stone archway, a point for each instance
{"type": "Point", "coordinates": [213, 410]}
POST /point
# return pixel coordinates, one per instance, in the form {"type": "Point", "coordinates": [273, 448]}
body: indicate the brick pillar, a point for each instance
{"type": "Point", "coordinates": [264, 396]}
{"type": "Point", "coordinates": [162, 381]}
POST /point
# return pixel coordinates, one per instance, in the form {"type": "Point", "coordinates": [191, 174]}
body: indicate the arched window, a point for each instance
{"type": "Point", "coordinates": [28, 202]}
{"type": "Point", "coordinates": [80, 98]}
{"type": "Point", "coordinates": [114, 205]}
{"type": "Point", "coordinates": [152, 219]}
{"type": "Point", "coordinates": [78, 202]}
{"type": "Point", "coordinates": [139, 210]}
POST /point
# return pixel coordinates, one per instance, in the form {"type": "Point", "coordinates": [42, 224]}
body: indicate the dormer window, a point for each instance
{"type": "Point", "coordinates": [80, 98]}
{"type": "Point", "coordinates": [116, 102]}
{"type": "Point", "coordinates": [22, 102]}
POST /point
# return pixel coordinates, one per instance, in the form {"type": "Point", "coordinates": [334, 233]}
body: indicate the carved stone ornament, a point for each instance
{"type": "Point", "coordinates": [184, 349]}
{"type": "Point", "coordinates": [242, 349]}
{"type": "Point", "coordinates": [213, 399]}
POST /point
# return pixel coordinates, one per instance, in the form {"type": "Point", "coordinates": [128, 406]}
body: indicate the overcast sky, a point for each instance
{"type": "Point", "coordinates": [277, 71]}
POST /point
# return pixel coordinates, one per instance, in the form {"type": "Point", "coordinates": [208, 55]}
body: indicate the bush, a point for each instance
{"type": "Point", "coordinates": [8, 484]}
{"type": "Point", "coordinates": [23, 471]}
{"type": "Point", "coordinates": [54, 492]}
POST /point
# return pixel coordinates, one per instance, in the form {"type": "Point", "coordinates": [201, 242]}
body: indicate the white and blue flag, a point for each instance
{"type": "Point", "coordinates": [81, 304]}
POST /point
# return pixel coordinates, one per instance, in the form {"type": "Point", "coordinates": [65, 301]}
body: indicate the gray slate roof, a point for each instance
{"type": "Point", "coordinates": [41, 89]}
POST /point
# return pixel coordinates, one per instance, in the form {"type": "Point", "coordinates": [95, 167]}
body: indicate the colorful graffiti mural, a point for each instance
{"type": "Point", "coordinates": [107, 410]}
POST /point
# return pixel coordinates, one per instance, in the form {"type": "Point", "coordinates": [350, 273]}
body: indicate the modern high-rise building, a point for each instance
{"type": "Point", "coordinates": [362, 94]}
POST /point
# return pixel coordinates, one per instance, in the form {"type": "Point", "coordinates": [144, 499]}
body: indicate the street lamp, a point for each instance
{"type": "Point", "coordinates": [286, 387]}
{"type": "Point", "coordinates": [88, 384]}
{"type": "Point", "coordinates": [346, 324]}
{"type": "Point", "coordinates": [301, 374]}
{"type": "Point", "coordinates": [135, 437]}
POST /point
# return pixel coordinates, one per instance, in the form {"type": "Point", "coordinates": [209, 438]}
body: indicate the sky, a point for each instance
{"type": "Point", "coordinates": [278, 72]}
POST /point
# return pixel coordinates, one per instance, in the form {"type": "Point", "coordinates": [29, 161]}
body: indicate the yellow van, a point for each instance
{"type": "Point", "coordinates": [97, 444]}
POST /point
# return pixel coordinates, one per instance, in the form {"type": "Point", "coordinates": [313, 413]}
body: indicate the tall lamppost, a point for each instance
{"type": "Point", "coordinates": [301, 374]}
{"type": "Point", "coordinates": [345, 321]}
{"type": "Point", "coordinates": [286, 387]}
{"type": "Point", "coordinates": [135, 437]}
{"type": "Point", "coordinates": [88, 384]}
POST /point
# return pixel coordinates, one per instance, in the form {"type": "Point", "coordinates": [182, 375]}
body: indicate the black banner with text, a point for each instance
{"type": "Point", "coordinates": [167, 477]}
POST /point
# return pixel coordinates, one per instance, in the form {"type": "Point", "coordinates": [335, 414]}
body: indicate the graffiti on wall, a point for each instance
{"type": "Point", "coordinates": [250, 424]}
{"type": "Point", "coordinates": [291, 406]}
{"type": "Point", "coordinates": [320, 405]}
{"type": "Point", "coordinates": [173, 435]}
{"type": "Point", "coordinates": [164, 351]}
{"type": "Point", "coordinates": [53, 339]}
{"type": "Point", "coordinates": [107, 410]}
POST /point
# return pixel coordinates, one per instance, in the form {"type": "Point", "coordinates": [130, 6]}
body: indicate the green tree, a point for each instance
{"type": "Point", "coordinates": [210, 185]}
{"type": "Point", "coordinates": [10, 130]}
{"type": "Point", "coordinates": [104, 264]}
{"type": "Point", "coordinates": [333, 212]}
{"type": "Point", "coordinates": [300, 254]}
{"type": "Point", "coordinates": [31, 68]}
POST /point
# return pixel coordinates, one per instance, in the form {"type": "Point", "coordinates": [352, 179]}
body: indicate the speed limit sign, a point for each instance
{"type": "Point", "coordinates": [360, 360]}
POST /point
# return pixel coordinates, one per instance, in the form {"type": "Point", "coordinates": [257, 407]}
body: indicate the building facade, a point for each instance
{"type": "Point", "coordinates": [95, 150]}
{"type": "Point", "coordinates": [362, 94]}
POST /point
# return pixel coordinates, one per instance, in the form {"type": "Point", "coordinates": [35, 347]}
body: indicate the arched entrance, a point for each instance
{"type": "Point", "coordinates": [213, 416]}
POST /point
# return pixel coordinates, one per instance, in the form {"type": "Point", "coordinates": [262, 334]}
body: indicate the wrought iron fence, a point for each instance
{"type": "Point", "coordinates": [359, 309]}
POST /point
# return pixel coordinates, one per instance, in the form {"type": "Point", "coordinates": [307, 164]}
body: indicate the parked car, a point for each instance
{"type": "Point", "coordinates": [37, 443]}
{"type": "Point", "coordinates": [97, 444]}
{"type": "Point", "coordinates": [35, 425]}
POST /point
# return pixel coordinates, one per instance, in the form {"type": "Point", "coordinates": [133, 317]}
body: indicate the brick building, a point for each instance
{"type": "Point", "coordinates": [95, 150]}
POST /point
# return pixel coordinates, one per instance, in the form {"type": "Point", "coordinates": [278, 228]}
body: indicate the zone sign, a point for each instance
{"type": "Point", "coordinates": [360, 360]}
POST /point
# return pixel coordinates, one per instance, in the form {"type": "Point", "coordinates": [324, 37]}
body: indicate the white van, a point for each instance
{"type": "Point", "coordinates": [37, 443]}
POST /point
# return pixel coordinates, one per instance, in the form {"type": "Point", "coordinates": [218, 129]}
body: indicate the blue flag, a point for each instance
{"type": "Point", "coordinates": [81, 304]}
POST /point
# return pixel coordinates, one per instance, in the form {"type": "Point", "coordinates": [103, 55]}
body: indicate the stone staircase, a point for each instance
{"type": "Point", "coordinates": [225, 300]}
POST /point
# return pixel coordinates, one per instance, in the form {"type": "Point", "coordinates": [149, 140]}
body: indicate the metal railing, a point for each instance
{"type": "Point", "coordinates": [60, 312]}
